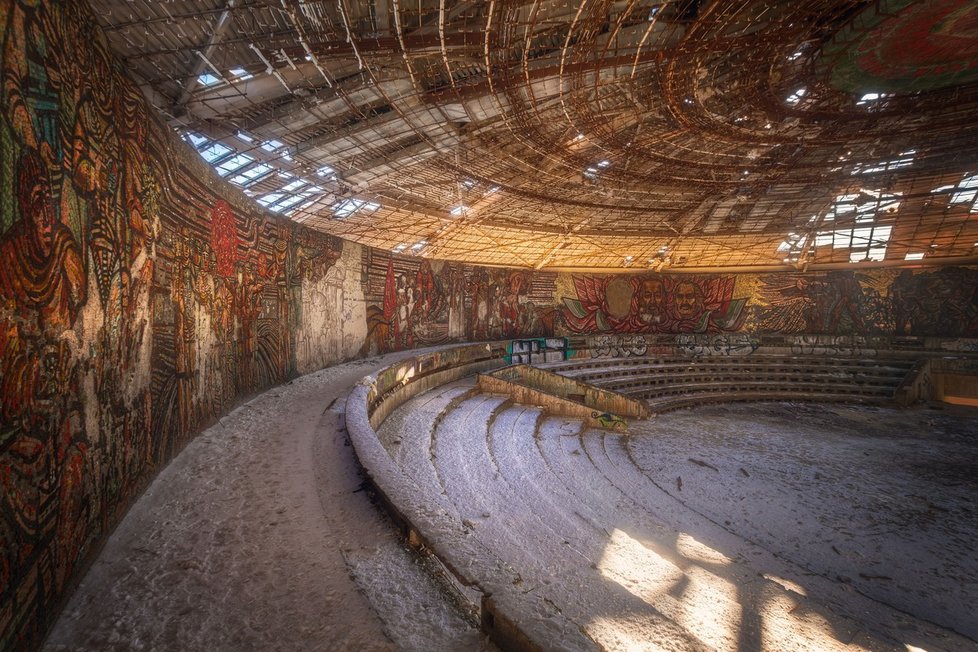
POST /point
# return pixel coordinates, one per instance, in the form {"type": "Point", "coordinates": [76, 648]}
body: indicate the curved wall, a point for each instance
{"type": "Point", "coordinates": [141, 298]}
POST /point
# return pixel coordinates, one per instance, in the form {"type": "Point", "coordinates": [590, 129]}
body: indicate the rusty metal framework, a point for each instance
{"type": "Point", "coordinates": [687, 134]}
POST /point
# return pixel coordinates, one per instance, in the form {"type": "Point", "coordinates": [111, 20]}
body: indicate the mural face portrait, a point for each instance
{"type": "Point", "coordinates": [650, 298]}
{"type": "Point", "coordinates": [688, 300]}
{"type": "Point", "coordinates": [37, 202]}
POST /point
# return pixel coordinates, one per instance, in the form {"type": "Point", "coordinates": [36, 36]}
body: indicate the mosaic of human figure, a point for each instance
{"type": "Point", "coordinates": [653, 305]}
{"type": "Point", "coordinates": [829, 298]}
{"type": "Point", "coordinates": [183, 281]}
{"type": "Point", "coordinates": [42, 288]}
{"type": "Point", "coordinates": [427, 295]}
{"type": "Point", "coordinates": [478, 290]}
{"type": "Point", "coordinates": [687, 304]}
{"type": "Point", "coordinates": [456, 301]}
{"type": "Point", "coordinates": [96, 170]}
{"type": "Point", "coordinates": [650, 301]}
{"type": "Point", "coordinates": [510, 305]}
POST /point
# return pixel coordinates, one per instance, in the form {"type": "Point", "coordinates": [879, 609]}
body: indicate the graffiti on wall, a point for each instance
{"type": "Point", "coordinates": [718, 345]}
{"type": "Point", "coordinates": [618, 346]}
{"type": "Point", "coordinates": [653, 304]}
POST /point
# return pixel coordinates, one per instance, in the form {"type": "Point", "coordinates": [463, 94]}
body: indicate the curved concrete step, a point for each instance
{"type": "Point", "coordinates": [597, 530]}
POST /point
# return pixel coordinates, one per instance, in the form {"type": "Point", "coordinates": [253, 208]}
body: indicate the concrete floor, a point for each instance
{"type": "Point", "coordinates": [260, 536]}
{"type": "Point", "coordinates": [769, 526]}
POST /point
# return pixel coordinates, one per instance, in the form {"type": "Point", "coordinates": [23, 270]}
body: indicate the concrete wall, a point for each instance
{"type": "Point", "coordinates": [142, 297]}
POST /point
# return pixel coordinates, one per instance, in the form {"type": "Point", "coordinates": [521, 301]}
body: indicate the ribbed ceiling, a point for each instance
{"type": "Point", "coordinates": [684, 134]}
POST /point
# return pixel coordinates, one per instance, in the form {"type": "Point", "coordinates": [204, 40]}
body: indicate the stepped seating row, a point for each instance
{"type": "Point", "coordinates": [509, 498]}
{"type": "Point", "coordinates": [591, 369]}
{"type": "Point", "coordinates": [671, 382]}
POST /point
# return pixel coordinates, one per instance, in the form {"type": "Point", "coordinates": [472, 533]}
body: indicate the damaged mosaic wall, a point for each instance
{"type": "Point", "coordinates": [138, 303]}
{"type": "Point", "coordinates": [141, 298]}
{"type": "Point", "coordinates": [418, 302]}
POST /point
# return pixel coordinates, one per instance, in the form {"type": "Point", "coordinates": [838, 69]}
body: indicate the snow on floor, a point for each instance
{"type": "Point", "coordinates": [259, 536]}
{"type": "Point", "coordinates": [766, 526]}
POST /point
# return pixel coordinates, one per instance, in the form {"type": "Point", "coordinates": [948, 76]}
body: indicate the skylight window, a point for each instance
{"type": "Point", "coordinates": [914, 256]}
{"type": "Point", "coordinates": [234, 164]}
{"type": "Point", "coordinates": [905, 159]}
{"type": "Point", "coordinates": [270, 199]}
{"type": "Point", "coordinates": [272, 145]}
{"type": "Point", "coordinates": [399, 248]}
{"type": "Point", "coordinates": [348, 207]}
{"type": "Point", "coordinates": [245, 137]}
{"type": "Point", "coordinates": [864, 243]}
{"type": "Point", "coordinates": [326, 171]}
{"type": "Point", "coordinates": [196, 139]}
{"type": "Point", "coordinates": [469, 183]}
{"type": "Point", "coordinates": [419, 245]}
{"type": "Point", "coordinates": [461, 209]}
{"type": "Point", "coordinates": [863, 206]}
{"type": "Point", "coordinates": [967, 192]}
{"type": "Point", "coordinates": [215, 152]}
{"type": "Point", "coordinates": [251, 175]}
{"type": "Point", "coordinates": [592, 171]}
{"type": "Point", "coordinates": [794, 242]}
{"type": "Point", "coordinates": [797, 96]}
{"type": "Point", "coordinates": [289, 202]}
{"type": "Point", "coordinates": [240, 74]}
{"type": "Point", "coordinates": [295, 185]}
{"type": "Point", "coordinates": [793, 246]}
{"type": "Point", "coordinates": [208, 80]}
{"type": "Point", "coordinates": [870, 99]}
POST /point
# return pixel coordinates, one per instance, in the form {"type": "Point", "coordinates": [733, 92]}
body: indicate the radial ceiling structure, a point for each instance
{"type": "Point", "coordinates": [692, 134]}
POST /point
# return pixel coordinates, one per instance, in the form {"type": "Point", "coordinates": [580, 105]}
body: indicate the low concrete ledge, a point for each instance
{"type": "Point", "coordinates": [512, 619]}
{"type": "Point", "coordinates": [556, 394]}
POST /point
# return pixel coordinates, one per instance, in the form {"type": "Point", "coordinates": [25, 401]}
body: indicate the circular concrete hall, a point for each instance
{"type": "Point", "coordinates": [523, 325]}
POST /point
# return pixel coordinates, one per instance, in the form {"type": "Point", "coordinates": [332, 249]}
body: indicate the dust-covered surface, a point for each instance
{"type": "Point", "coordinates": [261, 536]}
{"type": "Point", "coordinates": [766, 526]}
{"type": "Point", "coordinates": [881, 500]}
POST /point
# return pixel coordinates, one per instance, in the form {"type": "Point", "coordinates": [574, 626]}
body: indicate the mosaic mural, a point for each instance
{"type": "Point", "coordinates": [924, 301]}
{"type": "Point", "coordinates": [141, 299]}
{"type": "Point", "coordinates": [653, 304]}
{"type": "Point", "coordinates": [137, 304]}
{"type": "Point", "coordinates": [414, 302]}
{"type": "Point", "coordinates": [903, 46]}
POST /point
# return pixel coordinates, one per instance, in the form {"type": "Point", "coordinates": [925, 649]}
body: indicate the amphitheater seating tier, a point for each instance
{"type": "Point", "coordinates": [673, 382]}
